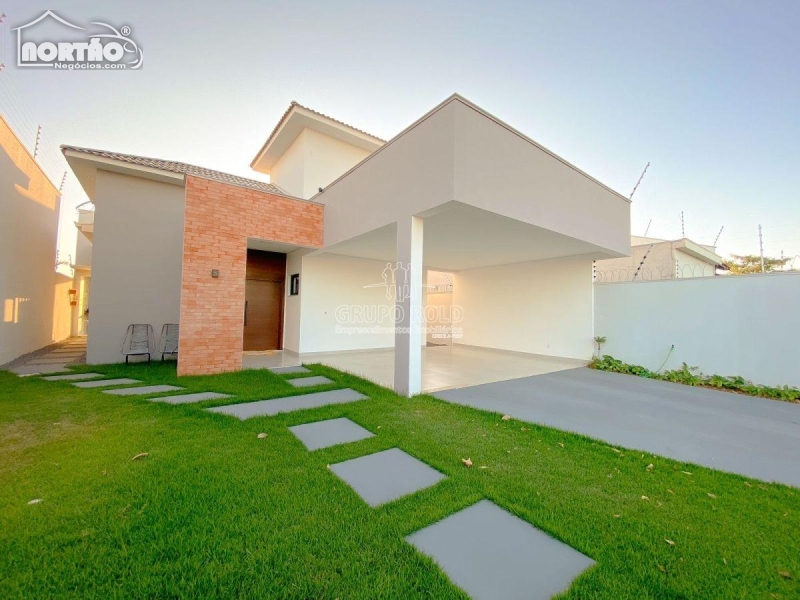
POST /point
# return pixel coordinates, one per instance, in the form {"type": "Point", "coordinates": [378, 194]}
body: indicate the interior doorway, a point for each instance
{"type": "Point", "coordinates": [263, 304]}
{"type": "Point", "coordinates": [439, 308]}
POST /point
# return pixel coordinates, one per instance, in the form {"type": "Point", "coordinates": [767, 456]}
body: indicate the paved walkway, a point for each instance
{"type": "Point", "coordinates": [53, 359]}
{"type": "Point", "coordinates": [755, 437]}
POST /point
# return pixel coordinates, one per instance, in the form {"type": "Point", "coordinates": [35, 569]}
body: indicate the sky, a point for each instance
{"type": "Point", "coordinates": [707, 92]}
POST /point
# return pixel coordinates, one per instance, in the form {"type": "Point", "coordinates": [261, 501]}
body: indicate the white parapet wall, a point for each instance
{"type": "Point", "coordinates": [734, 325]}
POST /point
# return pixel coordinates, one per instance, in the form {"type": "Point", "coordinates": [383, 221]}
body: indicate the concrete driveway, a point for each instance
{"type": "Point", "coordinates": [754, 437]}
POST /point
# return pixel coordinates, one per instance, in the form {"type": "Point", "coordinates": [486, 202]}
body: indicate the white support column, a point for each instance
{"type": "Point", "coordinates": [408, 335]}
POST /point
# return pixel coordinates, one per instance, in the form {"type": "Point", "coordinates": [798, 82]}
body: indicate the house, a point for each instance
{"type": "Point", "coordinates": [653, 258]}
{"type": "Point", "coordinates": [330, 260]}
{"type": "Point", "coordinates": [34, 298]}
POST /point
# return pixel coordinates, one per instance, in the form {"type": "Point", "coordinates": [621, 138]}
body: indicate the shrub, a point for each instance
{"type": "Point", "coordinates": [691, 376]}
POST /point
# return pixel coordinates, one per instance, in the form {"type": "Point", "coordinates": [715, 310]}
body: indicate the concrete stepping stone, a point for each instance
{"type": "Point", "coordinates": [324, 434]}
{"type": "Point", "coordinates": [50, 361]}
{"type": "Point", "coordinates": [142, 390]}
{"type": "Point", "coordinates": [29, 370]}
{"type": "Point", "coordinates": [309, 381]}
{"type": "Point", "coordinates": [73, 377]}
{"type": "Point", "coordinates": [285, 370]}
{"type": "Point", "coordinates": [493, 555]}
{"type": "Point", "coordinates": [105, 383]}
{"type": "Point", "coordinates": [186, 398]}
{"type": "Point", "coordinates": [269, 408]}
{"type": "Point", "coordinates": [386, 476]}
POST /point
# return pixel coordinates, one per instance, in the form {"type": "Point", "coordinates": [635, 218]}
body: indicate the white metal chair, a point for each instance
{"type": "Point", "coordinates": [138, 341]}
{"type": "Point", "coordinates": [168, 344]}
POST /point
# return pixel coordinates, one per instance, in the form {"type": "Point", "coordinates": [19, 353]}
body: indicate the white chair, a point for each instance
{"type": "Point", "coordinates": [168, 344]}
{"type": "Point", "coordinates": [138, 341]}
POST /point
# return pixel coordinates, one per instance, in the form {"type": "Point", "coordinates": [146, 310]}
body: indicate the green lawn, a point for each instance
{"type": "Point", "coordinates": [213, 511]}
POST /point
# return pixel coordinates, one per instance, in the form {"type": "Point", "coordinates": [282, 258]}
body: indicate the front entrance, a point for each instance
{"type": "Point", "coordinates": [263, 306]}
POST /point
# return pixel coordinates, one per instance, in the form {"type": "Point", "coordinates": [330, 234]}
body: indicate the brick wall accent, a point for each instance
{"type": "Point", "coordinates": [219, 218]}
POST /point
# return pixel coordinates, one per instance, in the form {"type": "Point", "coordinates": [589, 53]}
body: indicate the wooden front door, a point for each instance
{"type": "Point", "coordinates": [263, 307]}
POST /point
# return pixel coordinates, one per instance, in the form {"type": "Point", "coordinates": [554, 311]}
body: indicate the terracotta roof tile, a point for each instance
{"type": "Point", "coordinates": [182, 168]}
{"type": "Point", "coordinates": [311, 110]}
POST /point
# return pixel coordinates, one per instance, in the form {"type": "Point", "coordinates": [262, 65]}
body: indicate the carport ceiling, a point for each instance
{"type": "Point", "coordinates": [459, 237]}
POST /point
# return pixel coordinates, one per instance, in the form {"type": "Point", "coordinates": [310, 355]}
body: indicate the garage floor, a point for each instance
{"type": "Point", "coordinates": [443, 367]}
{"type": "Point", "coordinates": [754, 437]}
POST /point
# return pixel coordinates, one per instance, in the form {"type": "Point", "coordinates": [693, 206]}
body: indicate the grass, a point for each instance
{"type": "Point", "coordinates": [213, 511]}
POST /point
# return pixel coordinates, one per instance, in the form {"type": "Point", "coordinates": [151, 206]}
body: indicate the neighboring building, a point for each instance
{"type": "Point", "coordinates": [244, 265]}
{"type": "Point", "coordinates": [652, 258]}
{"type": "Point", "coordinates": [35, 299]}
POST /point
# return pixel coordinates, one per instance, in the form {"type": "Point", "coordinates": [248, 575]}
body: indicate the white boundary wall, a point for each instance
{"type": "Point", "coordinates": [732, 325]}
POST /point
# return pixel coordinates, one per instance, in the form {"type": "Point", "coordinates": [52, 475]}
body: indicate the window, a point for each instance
{"type": "Point", "coordinates": [294, 284]}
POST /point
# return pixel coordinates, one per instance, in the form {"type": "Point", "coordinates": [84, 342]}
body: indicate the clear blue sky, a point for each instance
{"type": "Point", "coordinates": [708, 92]}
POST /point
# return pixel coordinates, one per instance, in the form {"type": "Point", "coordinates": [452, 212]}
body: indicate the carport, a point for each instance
{"type": "Point", "coordinates": [461, 192]}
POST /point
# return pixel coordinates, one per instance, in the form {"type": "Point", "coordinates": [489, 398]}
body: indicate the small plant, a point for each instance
{"type": "Point", "coordinates": [691, 376]}
{"type": "Point", "coordinates": [600, 340]}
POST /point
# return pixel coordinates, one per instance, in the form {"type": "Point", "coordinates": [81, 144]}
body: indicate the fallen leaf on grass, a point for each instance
{"type": "Point", "coordinates": [650, 467]}
{"type": "Point", "coordinates": [616, 516]}
{"type": "Point", "coordinates": [560, 444]}
{"type": "Point", "coordinates": [670, 542]}
{"type": "Point", "coordinates": [140, 455]}
{"type": "Point", "coordinates": [523, 429]}
{"type": "Point", "coordinates": [467, 462]}
{"type": "Point", "coordinates": [483, 467]}
{"type": "Point", "coordinates": [261, 436]}
{"type": "Point", "coordinates": [645, 498]}
{"type": "Point", "coordinates": [686, 472]}
{"type": "Point", "coordinates": [724, 561]}
{"type": "Point", "coordinates": [710, 495]}
{"type": "Point", "coordinates": [671, 492]}
{"type": "Point", "coordinates": [662, 569]}
{"type": "Point", "coordinates": [785, 574]}
{"type": "Point", "coordinates": [614, 449]}
{"type": "Point", "coordinates": [506, 418]}
{"type": "Point", "coordinates": [35, 501]}
{"type": "Point", "coordinates": [748, 484]}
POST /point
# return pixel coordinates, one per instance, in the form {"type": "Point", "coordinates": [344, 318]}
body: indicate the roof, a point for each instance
{"type": "Point", "coordinates": [181, 168]}
{"type": "Point", "coordinates": [293, 106]}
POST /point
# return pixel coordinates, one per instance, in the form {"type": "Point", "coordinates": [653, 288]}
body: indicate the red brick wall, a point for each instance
{"type": "Point", "coordinates": [219, 218]}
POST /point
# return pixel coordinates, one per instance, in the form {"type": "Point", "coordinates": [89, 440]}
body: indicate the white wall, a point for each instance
{"type": "Point", "coordinates": [137, 257]}
{"type": "Point", "coordinates": [541, 307]}
{"type": "Point", "coordinates": [734, 325]}
{"type": "Point", "coordinates": [83, 251]}
{"type": "Point", "coordinates": [498, 170]}
{"type": "Point", "coordinates": [292, 306]}
{"type": "Point", "coordinates": [31, 310]}
{"type": "Point", "coordinates": [327, 159]}
{"type": "Point", "coordinates": [457, 154]}
{"type": "Point", "coordinates": [312, 162]}
{"type": "Point", "coordinates": [329, 281]}
{"type": "Point", "coordinates": [690, 266]}
{"type": "Point", "coordinates": [288, 172]}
